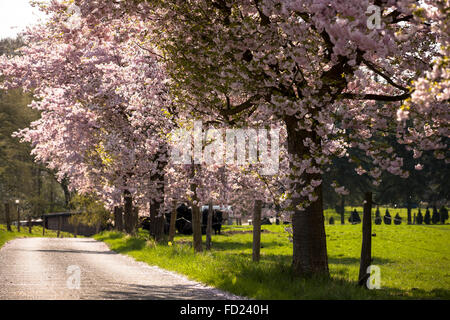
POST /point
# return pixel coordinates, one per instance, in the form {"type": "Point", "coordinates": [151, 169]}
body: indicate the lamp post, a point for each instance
{"type": "Point", "coordinates": [18, 215]}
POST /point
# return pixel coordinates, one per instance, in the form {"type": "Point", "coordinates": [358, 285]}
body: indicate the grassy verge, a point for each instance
{"type": "Point", "coordinates": [413, 262]}
{"type": "Point", "coordinates": [36, 231]}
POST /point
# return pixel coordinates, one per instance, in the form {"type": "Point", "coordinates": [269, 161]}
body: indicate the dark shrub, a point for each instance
{"type": "Point", "coordinates": [354, 217]}
{"type": "Point", "coordinates": [387, 217]}
{"type": "Point", "coordinates": [397, 219]}
{"type": "Point", "coordinates": [443, 214]}
{"type": "Point", "coordinates": [419, 218]}
{"type": "Point", "coordinates": [377, 216]}
{"type": "Point", "coordinates": [435, 217]}
{"type": "Point", "coordinates": [427, 217]}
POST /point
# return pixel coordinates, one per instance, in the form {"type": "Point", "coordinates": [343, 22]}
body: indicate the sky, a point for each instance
{"type": "Point", "coordinates": [15, 15]}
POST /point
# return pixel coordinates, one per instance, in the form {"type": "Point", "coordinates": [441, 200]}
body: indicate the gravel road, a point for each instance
{"type": "Point", "coordinates": [48, 269]}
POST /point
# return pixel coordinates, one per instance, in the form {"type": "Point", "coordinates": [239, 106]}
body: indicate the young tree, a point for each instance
{"type": "Point", "coordinates": [419, 218]}
{"type": "Point", "coordinates": [427, 217]}
{"type": "Point", "coordinates": [387, 217]}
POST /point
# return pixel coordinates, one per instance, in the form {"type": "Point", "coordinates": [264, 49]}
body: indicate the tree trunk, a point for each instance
{"type": "Point", "coordinates": [196, 215]}
{"type": "Point", "coordinates": [256, 221]}
{"type": "Point", "coordinates": [152, 219]}
{"type": "Point", "coordinates": [309, 239]}
{"type": "Point", "coordinates": [67, 195]}
{"type": "Point", "coordinates": [76, 230]}
{"type": "Point", "coordinates": [197, 228]}
{"type": "Point", "coordinates": [209, 227]}
{"type": "Point", "coordinates": [342, 210]}
{"type": "Point", "coordinates": [7, 218]}
{"type": "Point", "coordinates": [128, 212]}
{"type": "Point", "coordinates": [408, 205]}
{"type": "Point", "coordinates": [118, 218]}
{"type": "Point", "coordinates": [43, 225]}
{"type": "Point", "coordinates": [366, 248]}
{"type": "Point", "coordinates": [135, 218]}
{"type": "Point", "coordinates": [52, 194]}
{"type": "Point", "coordinates": [173, 221]}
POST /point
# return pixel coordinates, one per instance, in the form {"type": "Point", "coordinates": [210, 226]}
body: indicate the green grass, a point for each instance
{"type": "Point", "coordinates": [36, 231]}
{"type": "Point", "coordinates": [413, 260]}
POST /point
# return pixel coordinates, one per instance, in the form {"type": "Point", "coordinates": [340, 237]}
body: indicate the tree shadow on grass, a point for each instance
{"type": "Point", "coordinates": [355, 261]}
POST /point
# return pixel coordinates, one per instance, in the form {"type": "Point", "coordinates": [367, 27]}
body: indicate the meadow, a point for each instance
{"type": "Point", "coordinates": [413, 259]}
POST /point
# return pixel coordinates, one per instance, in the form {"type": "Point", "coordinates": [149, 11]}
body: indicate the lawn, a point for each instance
{"type": "Point", "coordinates": [413, 259]}
{"type": "Point", "coordinates": [35, 232]}
{"type": "Point", "coordinates": [403, 213]}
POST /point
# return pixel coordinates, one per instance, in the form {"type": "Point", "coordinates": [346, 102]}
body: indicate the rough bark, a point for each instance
{"type": "Point", "coordinates": [67, 196]}
{"type": "Point", "coordinates": [44, 219]}
{"type": "Point", "coordinates": [173, 220]}
{"type": "Point", "coordinates": [209, 227]}
{"type": "Point", "coordinates": [256, 221]}
{"type": "Point", "coordinates": [309, 239]}
{"type": "Point", "coordinates": [118, 218]}
{"type": "Point", "coordinates": [196, 216]}
{"type": "Point", "coordinates": [29, 224]}
{"type": "Point", "coordinates": [128, 212]}
{"type": "Point", "coordinates": [197, 228]}
{"type": "Point", "coordinates": [366, 248]}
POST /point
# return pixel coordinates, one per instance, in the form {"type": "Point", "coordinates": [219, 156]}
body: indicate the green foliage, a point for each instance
{"type": "Point", "coordinates": [92, 211]}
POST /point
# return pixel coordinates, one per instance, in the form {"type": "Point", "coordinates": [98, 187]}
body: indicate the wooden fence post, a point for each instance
{"type": "Point", "coordinates": [366, 248]}
{"type": "Point", "coordinates": [59, 226]}
{"type": "Point", "coordinates": [18, 218]}
{"type": "Point", "coordinates": [8, 221]}
{"type": "Point", "coordinates": [29, 224]}
{"type": "Point", "coordinates": [257, 230]}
